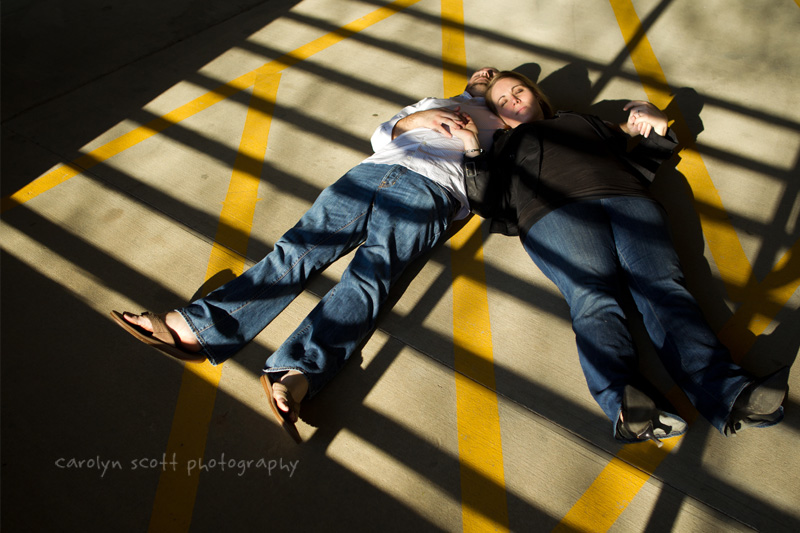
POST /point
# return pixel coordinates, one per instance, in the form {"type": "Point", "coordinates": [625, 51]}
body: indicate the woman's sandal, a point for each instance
{"type": "Point", "coordinates": [641, 420]}
{"type": "Point", "coordinates": [161, 337]}
{"type": "Point", "coordinates": [283, 418]}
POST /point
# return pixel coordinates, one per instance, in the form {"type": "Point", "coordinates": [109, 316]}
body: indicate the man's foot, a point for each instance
{"type": "Point", "coordinates": [284, 399]}
{"type": "Point", "coordinates": [168, 333]}
{"type": "Point", "coordinates": [759, 403]}
{"type": "Point", "coordinates": [288, 397]}
{"type": "Point", "coordinates": [176, 325]}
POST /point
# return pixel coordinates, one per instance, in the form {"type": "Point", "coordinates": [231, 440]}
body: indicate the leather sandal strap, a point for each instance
{"type": "Point", "coordinates": [160, 329]}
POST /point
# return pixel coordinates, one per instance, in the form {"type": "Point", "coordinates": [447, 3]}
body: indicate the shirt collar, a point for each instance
{"type": "Point", "coordinates": [466, 96]}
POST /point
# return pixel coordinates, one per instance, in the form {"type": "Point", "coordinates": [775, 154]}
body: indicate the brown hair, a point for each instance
{"type": "Point", "coordinates": [544, 102]}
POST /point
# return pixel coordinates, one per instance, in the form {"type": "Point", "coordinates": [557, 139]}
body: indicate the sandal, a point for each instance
{"type": "Point", "coordinates": [641, 420]}
{"type": "Point", "coordinates": [161, 338]}
{"type": "Point", "coordinates": [283, 418]}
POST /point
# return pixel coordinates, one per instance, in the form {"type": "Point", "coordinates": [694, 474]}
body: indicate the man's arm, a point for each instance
{"type": "Point", "coordinates": [443, 120]}
{"type": "Point", "coordinates": [389, 130]}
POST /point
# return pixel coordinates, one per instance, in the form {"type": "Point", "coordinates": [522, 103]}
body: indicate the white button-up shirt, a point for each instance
{"type": "Point", "coordinates": [430, 153]}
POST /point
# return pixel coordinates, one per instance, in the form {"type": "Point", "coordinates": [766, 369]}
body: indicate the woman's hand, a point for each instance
{"type": "Point", "coordinates": [468, 134]}
{"type": "Point", "coordinates": [644, 118]}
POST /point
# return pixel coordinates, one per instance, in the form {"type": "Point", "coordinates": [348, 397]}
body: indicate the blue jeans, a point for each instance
{"type": "Point", "coordinates": [394, 214]}
{"type": "Point", "coordinates": [590, 250]}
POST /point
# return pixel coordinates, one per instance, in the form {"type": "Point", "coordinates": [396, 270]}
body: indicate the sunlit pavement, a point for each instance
{"type": "Point", "coordinates": [151, 150]}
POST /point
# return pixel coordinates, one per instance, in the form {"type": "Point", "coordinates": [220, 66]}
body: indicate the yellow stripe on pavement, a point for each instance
{"type": "Point", "coordinates": [615, 487]}
{"type": "Point", "coordinates": [483, 492]}
{"type": "Point", "coordinates": [480, 449]}
{"type": "Point", "coordinates": [764, 302]}
{"type": "Point", "coordinates": [177, 486]}
{"type": "Point", "coordinates": [454, 51]}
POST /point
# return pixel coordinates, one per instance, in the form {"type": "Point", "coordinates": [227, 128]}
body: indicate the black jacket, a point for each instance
{"type": "Point", "coordinates": [499, 183]}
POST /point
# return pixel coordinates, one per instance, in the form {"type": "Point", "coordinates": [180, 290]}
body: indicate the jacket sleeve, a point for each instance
{"type": "Point", "coordinates": [483, 198]}
{"type": "Point", "coordinates": [648, 154]}
{"type": "Point", "coordinates": [651, 152]}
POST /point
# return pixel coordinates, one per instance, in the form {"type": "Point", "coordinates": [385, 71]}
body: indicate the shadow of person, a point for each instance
{"type": "Point", "coordinates": [568, 88]}
{"type": "Point", "coordinates": [214, 282]}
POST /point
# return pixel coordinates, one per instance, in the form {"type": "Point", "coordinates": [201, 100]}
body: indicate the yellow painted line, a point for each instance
{"type": "Point", "coordinates": [615, 487]}
{"type": "Point", "coordinates": [64, 172]}
{"type": "Point", "coordinates": [480, 450]}
{"type": "Point", "coordinates": [484, 504]}
{"type": "Point", "coordinates": [721, 237]}
{"type": "Point", "coordinates": [454, 51]}
{"type": "Point", "coordinates": [177, 486]}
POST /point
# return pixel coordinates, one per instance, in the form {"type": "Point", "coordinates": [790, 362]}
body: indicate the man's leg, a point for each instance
{"type": "Point", "coordinates": [234, 314]}
{"type": "Point", "coordinates": [409, 216]}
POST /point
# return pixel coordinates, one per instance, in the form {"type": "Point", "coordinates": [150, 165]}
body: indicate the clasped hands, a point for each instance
{"type": "Point", "coordinates": [442, 119]}
{"type": "Point", "coordinates": [643, 118]}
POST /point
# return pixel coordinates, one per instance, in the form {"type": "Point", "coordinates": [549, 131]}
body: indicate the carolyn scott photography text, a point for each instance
{"type": "Point", "coordinates": [191, 466]}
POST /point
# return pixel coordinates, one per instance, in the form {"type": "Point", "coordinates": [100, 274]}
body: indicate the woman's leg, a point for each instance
{"type": "Point", "coordinates": [574, 247]}
{"type": "Point", "coordinates": [689, 349]}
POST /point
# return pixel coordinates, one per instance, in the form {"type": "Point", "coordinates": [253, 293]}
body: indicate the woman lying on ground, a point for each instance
{"type": "Point", "coordinates": [568, 186]}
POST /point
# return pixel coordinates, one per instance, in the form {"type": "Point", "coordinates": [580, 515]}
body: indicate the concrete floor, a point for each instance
{"type": "Point", "coordinates": [123, 126]}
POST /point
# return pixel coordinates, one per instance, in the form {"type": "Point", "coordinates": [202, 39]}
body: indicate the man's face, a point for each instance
{"type": "Point", "coordinates": [476, 86]}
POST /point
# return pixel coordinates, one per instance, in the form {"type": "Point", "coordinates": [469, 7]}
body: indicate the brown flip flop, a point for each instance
{"type": "Point", "coordinates": [281, 389]}
{"type": "Point", "coordinates": [161, 338]}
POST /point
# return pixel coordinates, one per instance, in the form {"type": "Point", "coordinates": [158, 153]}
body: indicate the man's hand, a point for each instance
{"type": "Point", "coordinates": [443, 119]}
{"type": "Point", "coordinates": [644, 118]}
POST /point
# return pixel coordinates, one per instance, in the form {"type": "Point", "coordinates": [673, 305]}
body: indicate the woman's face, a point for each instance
{"type": "Point", "coordinates": [516, 103]}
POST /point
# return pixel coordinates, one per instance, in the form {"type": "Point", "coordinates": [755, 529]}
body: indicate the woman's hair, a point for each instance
{"type": "Point", "coordinates": [544, 102]}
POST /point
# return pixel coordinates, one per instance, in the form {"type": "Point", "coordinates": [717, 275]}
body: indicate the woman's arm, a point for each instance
{"type": "Point", "coordinates": [652, 150]}
{"type": "Point", "coordinates": [482, 196]}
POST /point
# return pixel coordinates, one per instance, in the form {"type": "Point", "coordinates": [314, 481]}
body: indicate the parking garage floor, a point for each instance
{"type": "Point", "coordinates": [153, 150]}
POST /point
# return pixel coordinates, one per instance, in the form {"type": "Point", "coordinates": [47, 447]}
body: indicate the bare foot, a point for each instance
{"type": "Point", "coordinates": [176, 325]}
{"type": "Point", "coordinates": [297, 383]}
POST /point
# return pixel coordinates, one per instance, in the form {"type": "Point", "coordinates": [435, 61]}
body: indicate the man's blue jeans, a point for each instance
{"type": "Point", "coordinates": [394, 214]}
{"type": "Point", "coordinates": [590, 250]}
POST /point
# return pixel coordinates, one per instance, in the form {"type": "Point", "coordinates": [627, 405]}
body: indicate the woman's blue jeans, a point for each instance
{"type": "Point", "coordinates": [394, 214]}
{"type": "Point", "coordinates": [590, 250]}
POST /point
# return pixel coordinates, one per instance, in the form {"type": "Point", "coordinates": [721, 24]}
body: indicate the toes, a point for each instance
{"type": "Point", "coordinates": [138, 320]}
{"type": "Point", "coordinates": [284, 401]}
{"type": "Point", "coordinates": [284, 406]}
